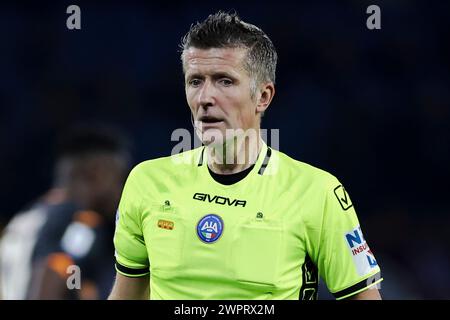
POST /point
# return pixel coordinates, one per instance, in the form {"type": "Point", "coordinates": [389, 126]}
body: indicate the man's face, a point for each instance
{"type": "Point", "coordinates": [108, 174]}
{"type": "Point", "coordinates": [218, 91]}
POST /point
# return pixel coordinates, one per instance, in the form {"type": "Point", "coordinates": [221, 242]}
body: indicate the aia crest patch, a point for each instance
{"type": "Point", "coordinates": [210, 228]}
{"type": "Point", "coordinates": [343, 198]}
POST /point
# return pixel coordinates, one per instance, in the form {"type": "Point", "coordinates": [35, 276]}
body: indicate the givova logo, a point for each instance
{"type": "Point", "coordinates": [362, 255]}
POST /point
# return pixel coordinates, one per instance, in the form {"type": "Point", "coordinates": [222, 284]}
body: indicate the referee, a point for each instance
{"type": "Point", "coordinates": [235, 219]}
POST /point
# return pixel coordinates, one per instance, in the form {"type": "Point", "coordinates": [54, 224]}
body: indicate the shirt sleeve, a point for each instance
{"type": "Point", "coordinates": [130, 250]}
{"type": "Point", "coordinates": [344, 259]}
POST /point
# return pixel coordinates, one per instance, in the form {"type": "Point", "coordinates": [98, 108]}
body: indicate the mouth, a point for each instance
{"type": "Point", "coordinates": [210, 119]}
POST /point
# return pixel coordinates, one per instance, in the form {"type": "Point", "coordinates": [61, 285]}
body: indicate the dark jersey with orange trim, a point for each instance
{"type": "Point", "coordinates": [77, 241]}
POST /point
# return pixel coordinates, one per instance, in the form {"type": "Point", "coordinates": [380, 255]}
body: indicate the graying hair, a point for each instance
{"type": "Point", "coordinates": [227, 30]}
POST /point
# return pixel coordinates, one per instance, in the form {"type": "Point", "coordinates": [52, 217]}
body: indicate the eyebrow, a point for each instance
{"type": "Point", "coordinates": [215, 75]}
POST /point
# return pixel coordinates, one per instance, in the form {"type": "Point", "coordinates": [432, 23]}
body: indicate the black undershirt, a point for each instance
{"type": "Point", "coordinates": [228, 179]}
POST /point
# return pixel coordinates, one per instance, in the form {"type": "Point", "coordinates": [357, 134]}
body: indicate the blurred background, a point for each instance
{"type": "Point", "coordinates": [370, 106]}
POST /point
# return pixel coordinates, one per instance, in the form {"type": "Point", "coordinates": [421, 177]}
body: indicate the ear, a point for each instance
{"type": "Point", "coordinates": [264, 97]}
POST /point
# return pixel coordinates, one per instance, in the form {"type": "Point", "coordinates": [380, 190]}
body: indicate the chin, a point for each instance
{"type": "Point", "coordinates": [211, 137]}
{"type": "Point", "coordinates": [212, 143]}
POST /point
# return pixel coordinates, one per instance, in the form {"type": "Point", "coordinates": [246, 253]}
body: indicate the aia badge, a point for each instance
{"type": "Point", "coordinates": [210, 228]}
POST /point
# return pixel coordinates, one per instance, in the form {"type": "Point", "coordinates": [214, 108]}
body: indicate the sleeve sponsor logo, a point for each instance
{"type": "Point", "coordinates": [362, 255]}
{"type": "Point", "coordinates": [343, 198]}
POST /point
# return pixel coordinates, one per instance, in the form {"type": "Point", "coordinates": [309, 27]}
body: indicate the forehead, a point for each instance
{"type": "Point", "coordinates": [204, 60]}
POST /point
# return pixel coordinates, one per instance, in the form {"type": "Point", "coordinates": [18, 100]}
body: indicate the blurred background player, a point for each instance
{"type": "Point", "coordinates": [72, 224]}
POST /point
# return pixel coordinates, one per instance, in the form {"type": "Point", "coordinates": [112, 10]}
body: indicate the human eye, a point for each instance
{"type": "Point", "coordinates": [194, 82]}
{"type": "Point", "coordinates": [226, 82]}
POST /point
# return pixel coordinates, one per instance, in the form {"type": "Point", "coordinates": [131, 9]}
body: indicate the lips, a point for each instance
{"type": "Point", "coordinates": [210, 119]}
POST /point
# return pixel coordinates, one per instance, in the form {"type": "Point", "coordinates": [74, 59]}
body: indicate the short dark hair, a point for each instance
{"type": "Point", "coordinates": [86, 140]}
{"type": "Point", "coordinates": [227, 30]}
{"type": "Point", "coordinates": [81, 143]}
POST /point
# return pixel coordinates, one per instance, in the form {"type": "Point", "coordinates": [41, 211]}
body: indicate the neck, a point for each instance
{"type": "Point", "coordinates": [235, 155]}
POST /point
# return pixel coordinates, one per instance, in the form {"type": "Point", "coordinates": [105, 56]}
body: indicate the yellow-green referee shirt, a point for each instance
{"type": "Point", "coordinates": [267, 236]}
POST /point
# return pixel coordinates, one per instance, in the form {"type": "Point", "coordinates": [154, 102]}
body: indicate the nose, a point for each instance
{"type": "Point", "coordinates": [206, 95]}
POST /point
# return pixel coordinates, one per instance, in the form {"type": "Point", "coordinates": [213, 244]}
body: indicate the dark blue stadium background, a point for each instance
{"type": "Point", "coordinates": [371, 107]}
